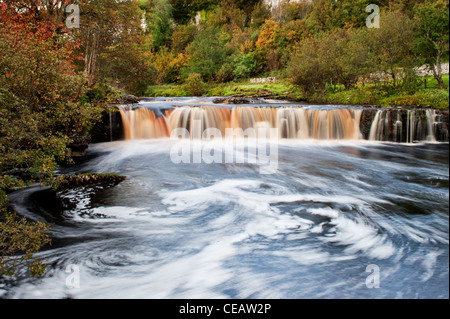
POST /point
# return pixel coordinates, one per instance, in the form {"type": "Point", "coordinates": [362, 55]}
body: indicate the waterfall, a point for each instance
{"type": "Point", "coordinates": [393, 125]}
{"type": "Point", "coordinates": [431, 125]}
{"type": "Point", "coordinates": [292, 123]}
{"type": "Point", "coordinates": [377, 127]}
{"type": "Point", "coordinates": [405, 126]}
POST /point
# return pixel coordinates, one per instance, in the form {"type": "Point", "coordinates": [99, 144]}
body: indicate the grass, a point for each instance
{"type": "Point", "coordinates": [432, 83]}
{"type": "Point", "coordinates": [281, 89]}
{"type": "Point", "coordinates": [384, 96]}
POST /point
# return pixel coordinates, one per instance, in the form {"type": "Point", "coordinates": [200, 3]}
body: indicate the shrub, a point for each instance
{"type": "Point", "coordinates": [207, 52]}
{"type": "Point", "coordinates": [194, 84]}
{"type": "Point", "coordinates": [19, 241]}
{"type": "Point", "coordinates": [225, 73]}
{"type": "Point", "coordinates": [244, 65]}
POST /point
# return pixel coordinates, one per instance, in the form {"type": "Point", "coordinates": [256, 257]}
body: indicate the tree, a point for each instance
{"type": "Point", "coordinates": [432, 33]}
{"type": "Point", "coordinates": [228, 17]}
{"type": "Point", "coordinates": [185, 10]}
{"type": "Point", "coordinates": [128, 65]}
{"type": "Point", "coordinates": [104, 23]}
{"type": "Point", "coordinates": [326, 15]}
{"type": "Point", "coordinates": [307, 68]}
{"type": "Point", "coordinates": [392, 43]}
{"type": "Point", "coordinates": [182, 36]}
{"type": "Point", "coordinates": [330, 58]}
{"type": "Point", "coordinates": [207, 53]}
{"type": "Point", "coordinates": [160, 21]}
{"type": "Point", "coordinates": [19, 241]}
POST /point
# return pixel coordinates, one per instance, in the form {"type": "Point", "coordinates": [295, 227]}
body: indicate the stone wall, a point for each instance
{"type": "Point", "coordinates": [263, 80]}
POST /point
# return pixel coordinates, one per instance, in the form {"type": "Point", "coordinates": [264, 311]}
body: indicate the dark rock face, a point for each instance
{"type": "Point", "coordinates": [110, 128]}
{"type": "Point", "coordinates": [79, 146]}
{"type": "Point", "coordinates": [442, 126]}
{"type": "Point", "coordinates": [366, 122]}
{"type": "Point", "coordinates": [405, 125]}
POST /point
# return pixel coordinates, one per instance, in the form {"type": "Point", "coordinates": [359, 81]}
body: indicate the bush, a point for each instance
{"type": "Point", "coordinates": [208, 54]}
{"type": "Point", "coordinates": [244, 65]}
{"type": "Point", "coordinates": [225, 73]}
{"type": "Point", "coordinates": [19, 241]}
{"type": "Point", "coordinates": [194, 85]}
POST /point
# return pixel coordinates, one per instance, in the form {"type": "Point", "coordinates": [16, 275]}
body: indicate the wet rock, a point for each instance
{"type": "Point", "coordinates": [67, 182]}
{"type": "Point", "coordinates": [126, 99]}
{"type": "Point", "coordinates": [234, 100]}
{"type": "Point", "coordinates": [79, 146]}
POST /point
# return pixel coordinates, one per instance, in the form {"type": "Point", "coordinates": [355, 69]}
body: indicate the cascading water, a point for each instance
{"type": "Point", "coordinates": [407, 126]}
{"type": "Point", "coordinates": [316, 227]}
{"type": "Point", "coordinates": [293, 123]}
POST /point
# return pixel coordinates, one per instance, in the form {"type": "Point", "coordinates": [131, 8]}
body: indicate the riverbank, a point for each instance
{"type": "Point", "coordinates": [424, 96]}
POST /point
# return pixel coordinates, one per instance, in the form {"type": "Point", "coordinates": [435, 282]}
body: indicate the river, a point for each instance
{"type": "Point", "coordinates": [336, 218]}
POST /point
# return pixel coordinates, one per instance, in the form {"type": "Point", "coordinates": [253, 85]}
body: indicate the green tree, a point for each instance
{"type": "Point", "coordinates": [160, 21]}
{"type": "Point", "coordinates": [20, 240]}
{"type": "Point", "coordinates": [329, 58]}
{"type": "Point", "coordinates": [326, 15]}
{"type": "Point", "coordinates": [392, 44]}
{"type": "Point", "coordinates": [432, 34]}
{"type": "Point", "coordinates": [182, 36]}
{"type": "Point", "coordinates": [207, 53]}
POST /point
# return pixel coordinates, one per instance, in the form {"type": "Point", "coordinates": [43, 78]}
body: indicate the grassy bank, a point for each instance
{"type": "Point", "coordinates": [383, 96]}
{"type": "Point", "coordinates": [280, 89]}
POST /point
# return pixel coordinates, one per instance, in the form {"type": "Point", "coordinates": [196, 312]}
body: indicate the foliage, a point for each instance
{"type": "Point", "coordinates": [19, 241]}
{"type": "Point", "coordinates": [160, 21]}
{"type": "Point", "coordinates": [17, 236]}
{"type": "Point", "coordinates": [432, 35]}
{"type": "Point", "coordinates": [194, 84]}
{"type": "Point", "coordinates": [45, 105]}
{"type": "Point", "coordinates": [168, 65]}
{"type": "Point", "coordinates": [207, 53]}
{"type": "Point", "coordinates": [182, 36]}
{"type": "Point", "coordinates": [244, 65]}
{"type": "Point", "coordinates": [129, 65]}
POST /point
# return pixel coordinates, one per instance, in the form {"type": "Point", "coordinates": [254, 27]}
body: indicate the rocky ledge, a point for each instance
{"type": "Point", "coordinates": [67, 182]}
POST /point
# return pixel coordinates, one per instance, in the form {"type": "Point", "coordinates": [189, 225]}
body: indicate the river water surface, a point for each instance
{"type": "Point", "coordinates": [338, 219]}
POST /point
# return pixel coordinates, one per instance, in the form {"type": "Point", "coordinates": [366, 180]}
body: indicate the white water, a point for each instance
{"type": "Point", "coordinates": [225, 231]}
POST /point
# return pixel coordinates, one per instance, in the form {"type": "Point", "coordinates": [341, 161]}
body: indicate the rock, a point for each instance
{"type": "Point", "coordinates": [79, 146]}
{"type": "Point", "coordinates": [66, 182]}
{"type": "Point", "coordinates": [234, 100]}
{"type": "Point", "coordinates": [126, 99]}
{"type": "Point", "coordinates": [131, 99]}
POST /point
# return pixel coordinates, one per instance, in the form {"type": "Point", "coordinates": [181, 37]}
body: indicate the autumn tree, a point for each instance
{"type": "Point", "coordinates": [105, 23]}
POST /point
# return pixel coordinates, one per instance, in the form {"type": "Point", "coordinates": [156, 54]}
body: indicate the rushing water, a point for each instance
{"type": "Point", "coordinates": [318, 227]}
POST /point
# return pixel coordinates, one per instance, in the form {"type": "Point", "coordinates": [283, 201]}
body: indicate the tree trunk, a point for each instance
{"type": "Point", "coordinates": [437, 71]}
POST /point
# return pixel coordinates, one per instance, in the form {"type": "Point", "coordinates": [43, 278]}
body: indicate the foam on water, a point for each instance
{"type": "Point", "coordinates": [226, 231]}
